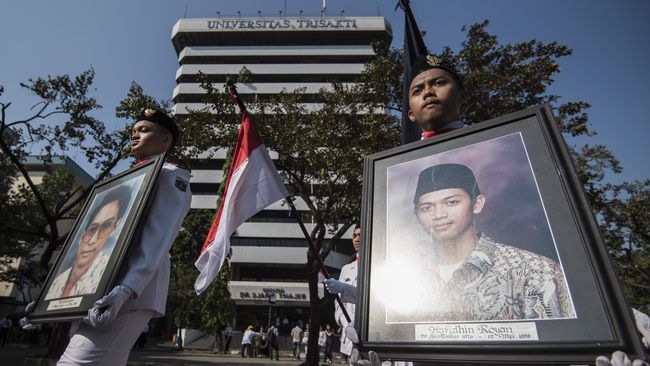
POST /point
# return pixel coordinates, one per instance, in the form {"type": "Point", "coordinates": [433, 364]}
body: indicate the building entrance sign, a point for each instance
{"type": "Point", "coordinates": [252, 291]}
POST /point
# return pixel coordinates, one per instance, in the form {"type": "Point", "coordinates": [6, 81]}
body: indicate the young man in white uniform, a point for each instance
{"type": "Point", "coordinates": [347, 287]}
{"type": "Point", "coordinates": [107, 334]}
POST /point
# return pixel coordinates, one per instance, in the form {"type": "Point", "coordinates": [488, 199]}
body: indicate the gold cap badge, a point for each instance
{"type": "Point", "coordinates": [149, 112]}
{"type": "Point", "coordinates": [434, 61]}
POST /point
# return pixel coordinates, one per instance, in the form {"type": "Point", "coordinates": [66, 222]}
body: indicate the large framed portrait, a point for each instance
{"type": "Point", "coordinates": [89, 262]}
{"type": "Point", "coordinates": [479, 246]}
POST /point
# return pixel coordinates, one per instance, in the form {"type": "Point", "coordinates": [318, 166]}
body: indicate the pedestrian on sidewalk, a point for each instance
{"type": "Point", "coordinates": [321, 343]}
{"type": "Point", "coordinates": [227, 336]}
{"type": "Point", "coordinates": [305, 338]}
{"type": "Point", "coordinates": [273, 342]}
{"type": "Point", "coordinates": [246, 341]}
{"type": "Point", "coordinates": [329, 340]}
{"type": "Point", "coordinates": [296, 335]}
{"type": "Point", "coordinates": [5, 326]}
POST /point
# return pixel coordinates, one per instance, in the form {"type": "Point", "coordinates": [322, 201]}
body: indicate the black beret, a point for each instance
{"type": "Point", "coordinates": [426, 62]}
{"type": "Point", "coordinates": [160, 118]}
{"type": "Point", "coordinates": [444, 176]}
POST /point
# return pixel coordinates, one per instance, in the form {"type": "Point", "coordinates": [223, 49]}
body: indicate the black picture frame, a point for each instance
{"type": "Point", "coordinates": [107, 223]}
{"type": "Point", "coordinates": [514, 158]}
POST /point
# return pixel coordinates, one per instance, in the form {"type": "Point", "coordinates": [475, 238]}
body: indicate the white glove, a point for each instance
{"type": "Point", "coordinates": [618, 359]}
{"type": "Point", "coordinates": [355, 356]}
{"type": "Point", "coordinates": [643, 325]}
{"type": "Point", "coordinates": [105, 309]}
{"type": "Point", "coordinates": [348, 292]}
{"type": "Point", "coordinates": [24, 322]}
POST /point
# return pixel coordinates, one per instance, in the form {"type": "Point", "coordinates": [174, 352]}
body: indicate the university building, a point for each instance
{"type": "Point", "coordinates": [285, 53]}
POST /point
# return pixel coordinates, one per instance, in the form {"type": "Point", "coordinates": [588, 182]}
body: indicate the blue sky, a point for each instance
{"type": "Point", "coordinates": [126, 40]}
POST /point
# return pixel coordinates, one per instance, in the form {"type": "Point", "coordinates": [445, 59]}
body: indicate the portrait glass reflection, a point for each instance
{"type": "Point", "coordinates": [468, 239]}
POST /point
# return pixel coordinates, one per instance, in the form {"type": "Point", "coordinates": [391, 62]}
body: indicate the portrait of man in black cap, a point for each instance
{"type": "Point", "coordinates": [470, 276]}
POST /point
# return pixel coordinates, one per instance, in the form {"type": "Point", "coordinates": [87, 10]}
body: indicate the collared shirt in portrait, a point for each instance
{"type": "Point", "coordinates": [87, 283]}
{"type": "Point", "coordinates": [495, 282]}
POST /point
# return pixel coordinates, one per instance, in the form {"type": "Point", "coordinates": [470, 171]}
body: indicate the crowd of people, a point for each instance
{"type": "Point", "coordinates": [260, 342]}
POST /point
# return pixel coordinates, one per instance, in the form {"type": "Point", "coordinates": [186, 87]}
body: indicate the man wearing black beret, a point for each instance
{"type": "Point", "coordinates": [435, 95]}
{"type": "Point", "coordinates": [478, 278]}
{"type": "Point", "coordinates": [108, 332]}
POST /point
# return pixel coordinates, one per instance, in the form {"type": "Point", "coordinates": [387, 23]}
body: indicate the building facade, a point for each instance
{"type": "Point", "coordinates": [286, 53]}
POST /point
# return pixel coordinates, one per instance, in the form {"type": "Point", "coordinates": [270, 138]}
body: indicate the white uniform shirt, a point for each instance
{"type": "Point", "coordinates": [349, 276]}
{"type": "Point", "coordinates": [148, 264]}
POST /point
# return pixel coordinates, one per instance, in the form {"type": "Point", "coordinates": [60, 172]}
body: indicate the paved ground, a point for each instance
{"type": "Point", "coordinates": [162, 354]}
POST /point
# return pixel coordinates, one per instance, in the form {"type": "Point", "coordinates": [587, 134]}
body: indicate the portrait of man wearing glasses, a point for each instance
{"type": "Point", "coordinates": [92, 250]}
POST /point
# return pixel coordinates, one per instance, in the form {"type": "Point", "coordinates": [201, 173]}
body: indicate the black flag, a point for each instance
{"type": "Point", "coordinates": [413, 47]}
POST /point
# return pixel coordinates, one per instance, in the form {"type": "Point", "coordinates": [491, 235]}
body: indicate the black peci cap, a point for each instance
{"type": "Point", "coordinates": [426, 62]}
{"type": "Point", "coordinates": [444, 176]}
{"type": "Point", "coordinates": [161, 118]}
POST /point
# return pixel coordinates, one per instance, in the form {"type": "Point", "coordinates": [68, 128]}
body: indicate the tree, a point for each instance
{"type": "Point", "coordinates": [624, 223]}
{"type": "Point", "coordinates": [320, 153]}
{"type": "Point", "coordinates": [214, 308]}
{"type": "Point", "coordinates": [60, 121]}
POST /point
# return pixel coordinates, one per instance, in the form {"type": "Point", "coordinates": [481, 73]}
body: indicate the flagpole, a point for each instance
{"type": "Point", "coordinates": [317, 256]}
{"type": "Point", "coordinates": [413, 47]}
{"type": "Point", "coordinates": [232, 90]}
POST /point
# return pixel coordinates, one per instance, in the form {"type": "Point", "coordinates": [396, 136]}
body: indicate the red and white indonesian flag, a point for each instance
{"type": "Point", "coordinates": [252, 184]}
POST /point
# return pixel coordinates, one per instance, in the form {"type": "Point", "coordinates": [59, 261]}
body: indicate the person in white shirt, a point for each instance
{"type": "Point", "coordinates": [246, 341]}
{"type": "Point", "coordinates": [113, 324]}
{"type": "Point", "coordinates": [296, 337]}
{"type": "Point", "coordinates": [347, 287]}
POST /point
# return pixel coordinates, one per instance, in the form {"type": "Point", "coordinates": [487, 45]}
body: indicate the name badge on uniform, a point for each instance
{"type": "Point", "coordinates": [181, 184]}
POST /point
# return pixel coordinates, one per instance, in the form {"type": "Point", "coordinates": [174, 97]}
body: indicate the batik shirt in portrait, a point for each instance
{"type": "Point", "coordinates": [495, 282]}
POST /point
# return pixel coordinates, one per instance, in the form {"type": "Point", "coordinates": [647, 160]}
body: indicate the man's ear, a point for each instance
{"type": "Point", "coordinates": [479, 202]}
{"type": "Point", "coordinates": [411, 115]}
{"type": "Point", "coordinates": [168, 141]}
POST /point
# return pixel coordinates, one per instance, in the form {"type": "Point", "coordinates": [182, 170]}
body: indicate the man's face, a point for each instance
{"type": "Point", "coordinates": [96, 234]}
{"type": "Point", "coordinates": [356, 239]}
{"type": "Point", "coordinates": [434, 99]}
{"type": "Point", "coordinates": [148, 138]}
{"type": "Point", "coordinates": [447, 214]}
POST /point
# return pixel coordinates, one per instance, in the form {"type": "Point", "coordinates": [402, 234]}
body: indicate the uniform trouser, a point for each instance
{"type": "Point", "coordinates": [108, 345]}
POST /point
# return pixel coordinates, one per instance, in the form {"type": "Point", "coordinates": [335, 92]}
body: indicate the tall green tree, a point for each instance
{"type": "Point", "coordinates": [214, 308]}
{"type": "Point", "coordinates": [320, 152]}
{"type": "Point", "coordinates": [61, 119]}
{"type": "Point", "coordinates": [62, 122]}
{"type": "Point", "coordinates": [624, 221]}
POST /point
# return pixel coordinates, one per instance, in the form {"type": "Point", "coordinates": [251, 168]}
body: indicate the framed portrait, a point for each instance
{"type": "Point", "coordinates": [479, 246]}
{"type": "Point", "coordinates": [89, 262]}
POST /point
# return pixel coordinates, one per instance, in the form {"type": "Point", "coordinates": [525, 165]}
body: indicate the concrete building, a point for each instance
{"type": "Point", "coordinates": [269, 251]}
